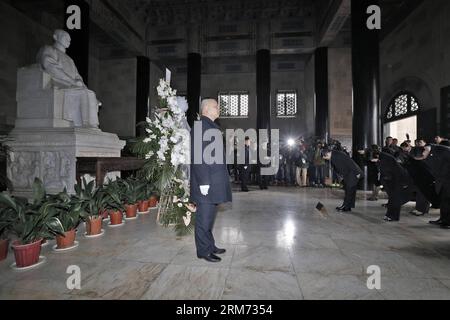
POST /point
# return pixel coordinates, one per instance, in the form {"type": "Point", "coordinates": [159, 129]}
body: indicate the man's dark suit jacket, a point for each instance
{"type": "Point", "coordinates": [439, 164]}
{"type": "Point", "coordinates": [215, 175]}
{"type": "Point", "coordinates": [345, 166]}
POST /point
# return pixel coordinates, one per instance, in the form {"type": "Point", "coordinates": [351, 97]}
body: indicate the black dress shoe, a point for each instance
{"type": "Point", "coordinates": [445, 226]}
{"type": "Point", "coordinates": [436, 223]}
{"type": "Point", "coordinates": [220, 251]}
{"type": "Point", "coordinates": [245, 190]}
{"type": "Point", "coordinates": [211, 258]}
{"type": "Point", "coordinates": [345, 210]}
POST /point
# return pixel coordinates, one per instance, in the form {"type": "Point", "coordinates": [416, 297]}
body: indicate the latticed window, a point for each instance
{"type": "Point", "coordinates": [233, 104]}
{"type": "Point", "coordinates": [286, 104]}
{"type": "Point", "coordinates": [404, 105]}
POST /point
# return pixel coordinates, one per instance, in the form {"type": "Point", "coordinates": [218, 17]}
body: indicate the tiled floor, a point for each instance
{"type": "Point", "coordinates": [278, 247]}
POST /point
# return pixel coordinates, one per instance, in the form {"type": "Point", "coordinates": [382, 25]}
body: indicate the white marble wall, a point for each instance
{"type": "Point", "coordinates": [340, 101]}
{"type": "Point", "coordinates": [289, 127]}
{"type": "Point", "coordinates": [117, 92]}
{"type": "Point", "coordinates": [156, 73]}
{"type": "Point", "coordinates": [416, 56]}
{"type": "Point", "coordinates": [21, 39]}
{"type": "Point", "coordinates": [212, 84]}
{"type": "Point", "coordinates": [309, 90]}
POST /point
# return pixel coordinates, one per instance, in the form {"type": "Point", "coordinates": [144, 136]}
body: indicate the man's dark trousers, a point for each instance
{"type": "Point", "coordinates": [204, 224]}
{"type": "Point", "coordinates": [350, 188]}
{"type": "Point", "coordinates": [245, 177]}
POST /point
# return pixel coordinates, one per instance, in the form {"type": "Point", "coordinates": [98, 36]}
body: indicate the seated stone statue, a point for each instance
{"type": "Point", "coordinates": [80, 103]}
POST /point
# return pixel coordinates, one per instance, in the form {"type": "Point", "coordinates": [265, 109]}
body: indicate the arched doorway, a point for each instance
{"type": "Point", "coordinates": [400, 119]}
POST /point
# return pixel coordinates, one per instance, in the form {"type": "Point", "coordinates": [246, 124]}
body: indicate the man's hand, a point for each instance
{"type": "Point", "coordinates": [204, 190]}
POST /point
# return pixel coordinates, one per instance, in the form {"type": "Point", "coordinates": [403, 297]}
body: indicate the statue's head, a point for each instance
{"type": "Point", "coordinates": [62, 37]}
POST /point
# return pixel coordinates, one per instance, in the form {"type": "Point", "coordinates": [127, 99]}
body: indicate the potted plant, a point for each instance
{"type": "Point", "coordinates": [153, 200]}
{"type": "Point", "coordinates": [113, 202]}
{"type": "Point", "coordinates": [5, 183]}
{"type": "Point", "coordinates": [131, 191]}
{"type": "Point", "coordinates": [6, 221]}
{"type": "Point", "coordinates": [32, 223]}
{"type": "Point", "coordinates": [144, 197]}
{"type": "Point", "coordinates": [70, 213]}
{"type": "Point", "coordinates": [92, 202]}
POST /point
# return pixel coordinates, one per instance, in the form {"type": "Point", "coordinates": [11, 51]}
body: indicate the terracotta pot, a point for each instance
{"type": "Point", "coordinates": [116, 217]}
{"type": "Point", "coordinates": [143, 205]}
{"type": "Point", "coordinates": [153, 201]}
{"type": "Point", "coordinates": [131, 210]}
{"type": "Point", "coordinates": [104, 213]}
{"type": "Point", "coordinates": [67, 241]}
{"type": "Point", "coordinates": [4, 244]}
{"type": "Point", "coordinates": [27, 254]}
{"type": "Point", "coordinates": [94, 225]}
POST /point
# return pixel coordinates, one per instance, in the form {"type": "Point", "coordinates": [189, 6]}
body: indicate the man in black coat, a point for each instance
{"type": "Point", "coordinates": [350, 171]}
{"type": "Point", "coordinates": [210, 183]}
{"type": "Point", "coordinates": [437, 158]}
{"type": "Point", "coordinates": [245, 168]}
{"type": "Point", "coordinates": [396, 182]}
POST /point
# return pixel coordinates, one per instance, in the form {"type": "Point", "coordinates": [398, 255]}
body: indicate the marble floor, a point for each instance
{"type": "Point", "coordinates": [278, 247]}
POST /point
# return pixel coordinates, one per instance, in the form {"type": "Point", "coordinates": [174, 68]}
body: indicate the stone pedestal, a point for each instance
{"type": "Point", "coordinates": [50, 155]}
{"type": "Point", "coordinates": [46, 142]}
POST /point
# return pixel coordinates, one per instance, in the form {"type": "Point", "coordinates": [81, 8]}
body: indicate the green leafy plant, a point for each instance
{"type": "Point", "coordinates": [5, 183]}
{"type": "Point", "coordinates": [70, 211]}
{"type": "Point", "coordinates": [7, 218]}
{"type": "Point", "coordinates": [147, 190]}
{"type": "Point", "coordinates": [132, 190]}
{"type": "Point", "coordinates": [91, 200]}
{"type": "Point", "coordinates": [113, 195]}
{"type": "Point", "coordinates": [32, 222]}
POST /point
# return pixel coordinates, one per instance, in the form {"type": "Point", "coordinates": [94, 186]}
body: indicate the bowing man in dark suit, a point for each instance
{"type": "Point", "coordinates": [351, 172]}
{"type": "Point", "coordinates": [437, 158]}
{"type": "Point", "coordinates": [397, 183]}
{"type": "Point", "coordinates": [210, 183]}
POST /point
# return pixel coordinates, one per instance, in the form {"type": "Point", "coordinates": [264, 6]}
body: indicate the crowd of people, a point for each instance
{"type": "Point", "coordinates": [300, 165]}
{"type": "Point", "coordinates": [418, 171]}
{"type": "Point", "coordinates": [408, 171]}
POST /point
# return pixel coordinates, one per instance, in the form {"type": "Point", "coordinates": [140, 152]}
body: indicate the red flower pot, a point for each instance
{"type": "Point", "coordinates": [143, 206]}
{"type": "Point", "coordinates": [94, 226]}
{"type": "Point", "coordinates": [153, 201]}
{"type": "Point", "coordinates": [104, 213]}
{"type": "Point", "coordinates": [131, 210]}
{"type": "Point", "coordinates": [4, 244]}
{"type": "Point", "coordinates": [116, 217]}
{"type": "Point", "coordinates": [67, 240]}
{"type": "Point", "coordinates": [27, 254]}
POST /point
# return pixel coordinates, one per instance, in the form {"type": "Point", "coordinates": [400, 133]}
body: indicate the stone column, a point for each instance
{"type": "Point", "coordinates": [263, 77]}
{"type": "Point", "coordinates": [263, 89]}
{"type": "Point", "coordinates": [366, 79]}
{"type": "Point", "coordinates": [194, 74]}
{"type": "Point", "coordinates": [142, 90]}
{"type": "Point", "coordinates": [366, 82]}
{"type": "Point", "coordinates": [79, 47]}
{"type": "Point", "coordinates": [321, 93]}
